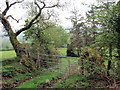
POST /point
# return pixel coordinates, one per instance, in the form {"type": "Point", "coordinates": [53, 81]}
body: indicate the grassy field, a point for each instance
{"type": "Point", "coordinates": [7, 55]}
{"type": "Point", "coordinates": [62, 51]}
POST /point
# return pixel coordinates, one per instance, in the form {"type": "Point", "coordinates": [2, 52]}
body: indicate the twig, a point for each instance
{"type": "Point", "coordinates": [13, 18]}
{"type": "Point", "coordinates": [9, 6]}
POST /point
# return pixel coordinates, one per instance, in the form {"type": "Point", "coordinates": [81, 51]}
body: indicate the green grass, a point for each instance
{"type": "Point", "coordinates": [25, 76]}
{"type": "Point", "coordinates": [72, 82]}
{"type": "Point", "coordinates": [6, 70]}
{"type": "Point", "coordinates": [12, 69]}
{"type": "Point", "coordinates": [35, 82]}
{"type": "Point", "coordinates": [7, 55]}
{"type": "Point", "coordinates": [62, 51]}
{"type": "Point", "coordinates": [16, 73]}
{"type": "Point", "coordinates": [18, 78]}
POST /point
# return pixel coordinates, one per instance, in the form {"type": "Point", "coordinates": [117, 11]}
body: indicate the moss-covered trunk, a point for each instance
{"type": "Point", "coordinates": [18, 47]}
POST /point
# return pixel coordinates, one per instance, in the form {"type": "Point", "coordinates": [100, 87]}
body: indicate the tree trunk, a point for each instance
{"type": "Point", "coordinates": [18, 47]}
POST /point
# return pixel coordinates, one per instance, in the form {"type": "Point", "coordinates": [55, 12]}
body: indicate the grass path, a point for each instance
{"type": "Point", "coordinates": [37, 81]}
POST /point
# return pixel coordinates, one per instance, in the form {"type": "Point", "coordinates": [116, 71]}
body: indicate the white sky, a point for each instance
{"type": "Point", "coordinates": [78, 5]}
{"type": "Point", "coordinates": [19, 13]}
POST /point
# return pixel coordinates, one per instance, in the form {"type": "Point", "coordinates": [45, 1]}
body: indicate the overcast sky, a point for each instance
{"type": "Point", "coordinates": [64, 13]}
{"type": "Point", "coordinates": [74, 4]}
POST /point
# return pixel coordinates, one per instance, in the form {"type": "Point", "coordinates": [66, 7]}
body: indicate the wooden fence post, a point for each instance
{"type": "Point", "coordinates": [82, 68]}
{"type": "Point", "coordinates": [69, 66]}
{"type": "Point", "coordinates": [79, 69]}
{"type": "Point", "coordinates": [58, 64]}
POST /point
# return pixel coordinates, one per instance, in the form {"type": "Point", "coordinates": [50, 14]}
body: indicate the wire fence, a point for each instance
{"type": "Point", "coordinates": [59, 63]}
{"type": "Point", "coordinates": [63, 64]}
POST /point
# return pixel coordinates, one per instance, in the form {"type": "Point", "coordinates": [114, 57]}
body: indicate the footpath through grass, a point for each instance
{"type": "Point", "coordinates": [36, 82]}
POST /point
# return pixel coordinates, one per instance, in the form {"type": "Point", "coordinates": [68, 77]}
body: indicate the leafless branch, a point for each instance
{"type": "Point", "coordinates": [55, 5]}
{"type": "Point", "coordinates": [8, 6]}
{"type": "Point", "coordinates": [43, 4]}
{"type": "Point", "coordinates": [32, 21]}
{"type": "Point", "coordinates": [51, 6]}
{"type": "Point", "coordinates": [13, 18]}
{"type": "Point", "coordinates": [7, 3]}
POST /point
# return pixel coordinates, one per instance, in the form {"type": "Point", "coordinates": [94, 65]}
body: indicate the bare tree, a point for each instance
{"type": "Point", "coordinates": [18, 47]}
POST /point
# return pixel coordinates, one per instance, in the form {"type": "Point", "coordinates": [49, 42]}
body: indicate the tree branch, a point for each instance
{"type": "Point", "coordinates": [32, 21]}
{"type": "Point", "coordinates": [36, 17]}
{"type": "Point", "coordinates": [51, 6]}
{"type": "Point", "coordinates": [43, 4]}
{"type": "Point", "coordinates": [7, 3]}
{"type": "Point", "coordinates": [55, 5]}
{"type": "Point", "coordinates": [8, 6]}
{"type": "Point", "coordinates": [12, 18]}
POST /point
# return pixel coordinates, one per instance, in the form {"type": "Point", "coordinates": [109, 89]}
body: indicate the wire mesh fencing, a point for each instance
{"type": "Point", "coordinates": [60, 64]}
{"type": "Point", "coordinates": [71, 65]}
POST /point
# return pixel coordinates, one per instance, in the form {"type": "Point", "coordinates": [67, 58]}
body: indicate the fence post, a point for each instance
{"type": "Point", "coordinates": [82, 68]}
{"type": "Point", "coordinates": [58, 64]}
{"type": "Point", "coordinates": [69, 66]}
{"type": "Point", "coordinates": [79, 69]}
